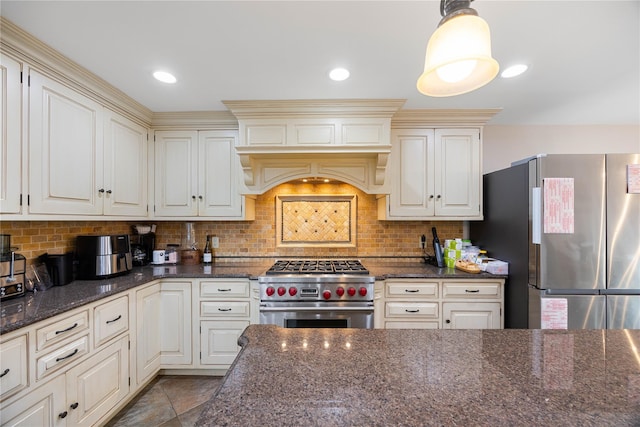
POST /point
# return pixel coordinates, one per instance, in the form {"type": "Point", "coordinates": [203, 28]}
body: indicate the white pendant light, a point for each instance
{"type": "Point", "coordinates": [458, 58]}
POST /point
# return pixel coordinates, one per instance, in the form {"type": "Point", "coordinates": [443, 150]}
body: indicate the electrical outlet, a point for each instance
{"type": "Point", "coordinates": [215, 242]}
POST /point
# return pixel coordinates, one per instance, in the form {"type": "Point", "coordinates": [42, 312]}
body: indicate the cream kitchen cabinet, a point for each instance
{"type": "Point", "coordinates": [197, 175]}
{"type": "Point", "coordinates": [148, 333]}
{"type": "Point", "coordinates": [434, 174]}
{"type": "Point", "coordinates": [411, 304]}
{"type": "Point", "coordinates": [175, 323]}
{"type": "Point", "coordinates": [11, 180]}
{"type": "Point", "coordinates": [83, 158]}
{"type": "Point", "coordinates": [447, 304]}
{"type": "Point", "coordinates": [224, 313]}
{"type": "Point", "coordinates": [43, 407]}
{"type": "Point", "coordinates": [14, 370]}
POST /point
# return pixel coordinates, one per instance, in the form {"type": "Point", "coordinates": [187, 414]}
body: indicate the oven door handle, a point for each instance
{"type": "Point", "coordinates": [281, 309]}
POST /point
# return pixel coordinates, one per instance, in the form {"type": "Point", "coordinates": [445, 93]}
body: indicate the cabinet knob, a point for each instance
{"type": "Point", "coordinates": [447, 321]}
{"type": "Point", "coordinates": [101, 190]}
{"type": "Point", "coordinates": [193, 197]}
{"type": "Point", "coordinates": [62, 414]}
{"type": "Point", "coordinates": [438, 197]}
{"type": "Point", "coordinates": [200, 197]}
{"type": "Point", "coordinates": [74, 405]}
{"type": "Point", "coordinates": [109, 191]}
{"type": "Point", "coordinates": [430, 196]}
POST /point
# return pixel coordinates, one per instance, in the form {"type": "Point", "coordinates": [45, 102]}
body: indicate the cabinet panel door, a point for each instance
{"type": "Point", "coordinates": [95, 386]}
{"type": "Point", "coordinates": [219, 174]}
{"type": "Point", "coordinates": [13, 366]}
{"type": "Point", "coordinates": [458, 172]}
{"type": "Point", "coordinates": [42, 407]}
{"type": "Point", "coordinates": [10, 136]}
{"type": "Point", "coordinates": [175, 323]}
{"type": "Point", "coordinates": [65, 150]}
{"type": "Point", "coordinates": [148, 332]}
{"type": "Point", "coordinates": [412, 186]}
{"type": "Point", "coordinates": [484, 315]}
{"type": "Point", "coordinates": [219, 341]}
{"type": "Point", "coordinates": [125, 166]}
{"type": "Point", "coordinates": [176, 173]}
{"type": "Point", "coordinates": [110, 319]}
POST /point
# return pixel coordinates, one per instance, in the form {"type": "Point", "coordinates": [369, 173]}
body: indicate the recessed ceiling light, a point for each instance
{"type": "Point", "coordinates": [339, 74]}
{"type": "Point", "coordinates": [164, 77]}
{"type": "Point", "coordinates": [514, 70]}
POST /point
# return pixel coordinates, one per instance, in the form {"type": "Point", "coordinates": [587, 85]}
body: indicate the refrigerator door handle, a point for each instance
{"type": "Point", "coordinates": [536, 215]}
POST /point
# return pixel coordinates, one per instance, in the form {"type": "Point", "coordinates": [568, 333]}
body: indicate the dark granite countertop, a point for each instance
{"type": "Point", "coordinates": [354, 377]}
{"type": "Point", "coordinates": [33, 307]}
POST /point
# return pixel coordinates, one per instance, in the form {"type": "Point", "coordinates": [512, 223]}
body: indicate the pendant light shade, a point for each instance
{"type": "Point", "coordinates": [458, 58]}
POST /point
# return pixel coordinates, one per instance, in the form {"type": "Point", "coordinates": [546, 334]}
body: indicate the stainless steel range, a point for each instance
{"type": "Point", "coordinates": [317, 294]}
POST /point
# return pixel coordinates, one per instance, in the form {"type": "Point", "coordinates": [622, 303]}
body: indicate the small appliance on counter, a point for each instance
{"type": "Point", "coordinates": [59, 267]}
{"type": "Point", "coordinates": [12, 270]}
{"type": "Point", "coordinates": [143, 242]}
{"type": "Point", "coordinates": [103, 256]}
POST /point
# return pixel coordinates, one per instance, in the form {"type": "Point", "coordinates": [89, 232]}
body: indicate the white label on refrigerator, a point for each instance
{"type": "Point", "coordinates": [633, 179]}
{"type": "Point", "coordinates": [558, 205]}
{"type": "Point", "coordinates": [554, 313]}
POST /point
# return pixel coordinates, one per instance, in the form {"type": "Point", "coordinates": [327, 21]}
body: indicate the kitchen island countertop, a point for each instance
{"type": "Point", "coordinates": [353, 377]}
{"type": "Point", "coordinates": [33, 307]}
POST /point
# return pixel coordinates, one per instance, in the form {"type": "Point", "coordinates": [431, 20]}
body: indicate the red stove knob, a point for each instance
{"type": "Point", "coordinates": [293, 291]}
{"type": "Point", "coordinates": [326, 294]}
{"type": "Point", "coordinates": [351, 291]}
{"type": "Point", "coordinates": [340, 291]}
{"type": "Point", "coordinates": [281, 290]}
{"type": "Point", "coordinates": [270, 291]}
{"type": "Point", "coordinates": [363, 291]}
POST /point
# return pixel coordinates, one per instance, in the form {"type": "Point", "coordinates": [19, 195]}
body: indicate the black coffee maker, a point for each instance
{"type": "Point", "coordinates": [142, 246]}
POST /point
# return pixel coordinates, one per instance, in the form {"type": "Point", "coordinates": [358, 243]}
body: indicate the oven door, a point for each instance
{"type": "Point", "coordinates": [317, 314]}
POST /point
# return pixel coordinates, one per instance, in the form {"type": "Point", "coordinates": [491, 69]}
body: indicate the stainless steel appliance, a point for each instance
{"type": "Point", "coordinates": [569, 226]}
{"type": "Point", "coordinates": [317, 294]}
{"type": "Point", "coordinates": [103, 256]}
{"type": "Point", "coordinates": [12, 275]}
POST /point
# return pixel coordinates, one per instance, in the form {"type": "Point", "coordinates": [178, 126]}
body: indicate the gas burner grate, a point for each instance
{"type": "Point", "coordinates": [317, 267]}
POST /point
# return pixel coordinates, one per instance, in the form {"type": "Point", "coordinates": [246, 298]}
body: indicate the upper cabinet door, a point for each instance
{"type": "Point", "coordinates": [10, 136]}
{"type": "Point", "coordinates": [176, 173]}
{"type": "Point", "coordinates": [412, 183]}
{"type": "Point", "coordinates": [125, 166]}
{"type": "Point", "coordinates": [458, 173]}
{"type": "Point", "coordinates": [65, 150]}
{"type": "Point", "coordinates": [219, 174]}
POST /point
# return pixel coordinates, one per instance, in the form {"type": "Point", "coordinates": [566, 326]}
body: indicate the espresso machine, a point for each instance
{"type": "Point", "coordinates": [12, 270]}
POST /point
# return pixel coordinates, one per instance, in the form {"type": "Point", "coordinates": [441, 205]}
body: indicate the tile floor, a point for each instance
{"type": "Point", "coordinates": [168, 401]}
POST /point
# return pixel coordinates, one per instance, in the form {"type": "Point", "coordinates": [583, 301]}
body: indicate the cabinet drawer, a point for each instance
{"type": "Point", "coordinates": [224, 309]}
{"type": "Point", "coordinates": [62, 329]}
{"type": "Point", "coordinates": [224, 289]}
{"type": "Point", "coordinates": [411, 309]}
{"type": "Point", "coordinates": [411, 325]}
{"type": "Point", "coordinates": [471, 290]}
{"type": "Point", "coordinates": [53, 361]}
{"type": "Point", "coordinates": [110, 319]}
{"type": "Point", "coordinates": [13, 366]}
{"type": "Point", "coordinates": [406, 289]}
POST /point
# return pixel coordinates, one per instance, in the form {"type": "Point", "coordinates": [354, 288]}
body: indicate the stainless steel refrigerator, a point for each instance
{"type": "Point", "coordinates": [569, 227]}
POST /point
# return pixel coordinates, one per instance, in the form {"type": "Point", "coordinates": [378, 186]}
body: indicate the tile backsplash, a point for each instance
{"type": "Point", "coordinates": [246, 238]}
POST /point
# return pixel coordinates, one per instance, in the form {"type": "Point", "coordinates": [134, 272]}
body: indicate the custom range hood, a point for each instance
{"type": "Point", "coordinates": [345, 140]}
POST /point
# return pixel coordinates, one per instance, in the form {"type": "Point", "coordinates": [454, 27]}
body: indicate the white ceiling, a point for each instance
{"type": "Point", "coordinates": [584, 56]}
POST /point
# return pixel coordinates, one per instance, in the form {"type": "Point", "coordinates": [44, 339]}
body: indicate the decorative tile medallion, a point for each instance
{"type": "Point", "coordinates": [316, 220]}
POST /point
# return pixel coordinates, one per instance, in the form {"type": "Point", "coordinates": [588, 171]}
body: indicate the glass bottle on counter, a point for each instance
{"type": "Point", "coordinates": [207, 255]}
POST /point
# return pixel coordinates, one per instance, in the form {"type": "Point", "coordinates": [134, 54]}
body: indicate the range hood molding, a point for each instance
{"type": "Point", "coordinates": [343, 139]}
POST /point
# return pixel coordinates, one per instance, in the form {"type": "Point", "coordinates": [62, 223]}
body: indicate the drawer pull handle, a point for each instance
{"type": "Point", "coordinates": [412, 290]}
{"type": "Point", "coordinates": [411, 311]}
{"type": "Point", "coordinates": [224, 309]}
{"type": "Point", "coordinates": [67, 330]}
{"type": "Point", "coordinates": [472, 291]}
{"type": "Point", "coordinates": [67, 356]}
{"type": "Point", "coordinates": [62, 414]}
{"type": "Point", "coordinates": [74, 405]}
{"type": "Point", "coordinates": [6, 371]}
{"type": "Point", "coordinates": [114, 320]}
{"type": "Point", "coordinates": [224, 290]}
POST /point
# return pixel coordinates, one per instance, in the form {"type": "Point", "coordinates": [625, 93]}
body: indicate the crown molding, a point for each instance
{"type": "Point", "coordinates": [21, 45]}
{"type": "Point", "coordinates": [314, 108]}
{"type": "Point", "coordinates": [196, 120]}
{"type": "Point", "coordinates": [425, 118]}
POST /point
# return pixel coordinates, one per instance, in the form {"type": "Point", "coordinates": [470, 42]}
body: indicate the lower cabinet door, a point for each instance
{"type": "Point", "coordinates": [219, 341]}
{"type": "Point", "coordinates": [45, 406]}
{"type": "Point", "coordinates": [148, 335]}
{"type": "Point", "coordinates": [479, 315]}
{"type": "Point", "coordinates": [97, 385]}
